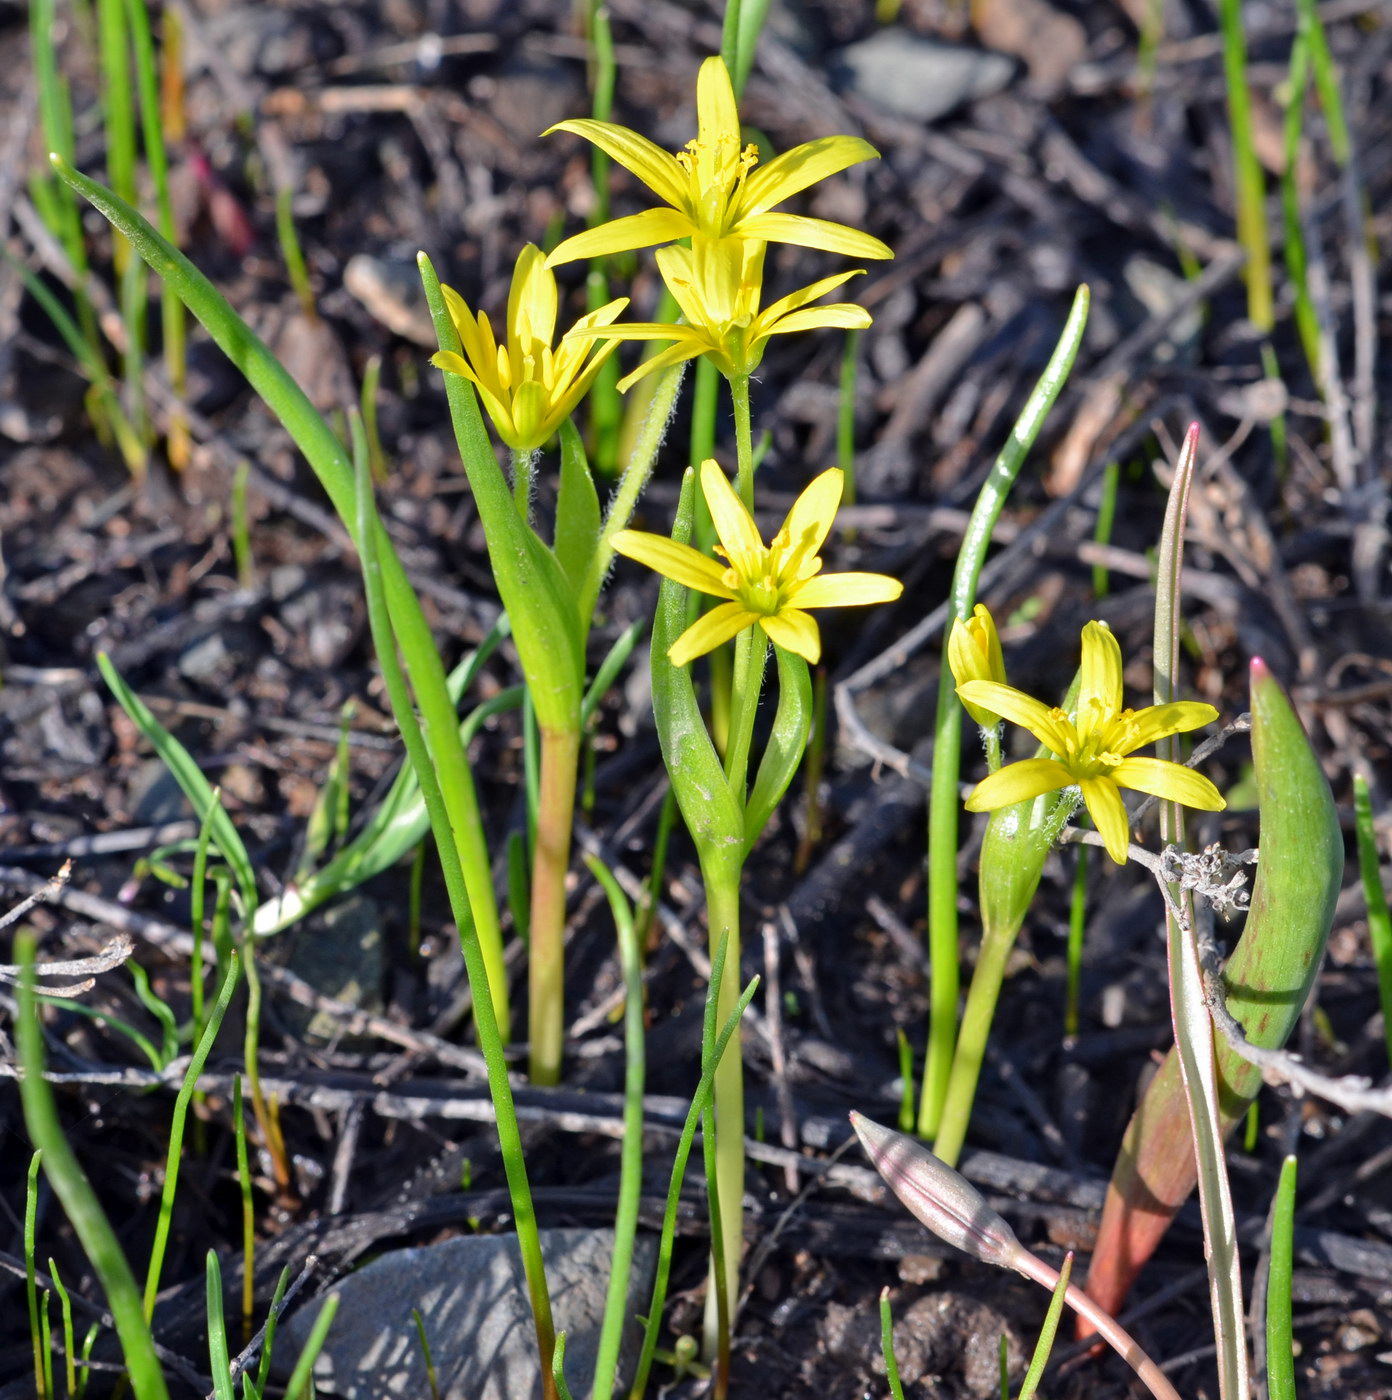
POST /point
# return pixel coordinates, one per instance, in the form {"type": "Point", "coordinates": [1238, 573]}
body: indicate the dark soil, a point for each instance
{"type": "Point", "coordinates": [1085, 167]}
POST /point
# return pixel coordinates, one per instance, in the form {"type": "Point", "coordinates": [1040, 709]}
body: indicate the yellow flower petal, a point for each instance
{"type": "Point", "coordinates": [643, 230]}
{"type": "Point", "coordinates": [813, 233]}
{"type": "Point", "coordinates": [840, 315]}
{"type": "Point", "coordinates": [739, 536]}
{"type": "Point", "coordinates": [1172, 781]}
{"type": "Point", "coordinates": [1019, 708]}
{"type": "Point", "coordinates": [845, 591]}
{"type": "Point", "coordinates": [673, 560]}
{"type": "Point", "coordinates": [531, 317]}
{"type": "Point", "coordinates": [717, 125]}
{"type": "Point", "coordinates": [658, 170]}
{"type": "Point", "coordinates": [804, 295]}
{"type": "Point", "coordinates": [795, 170]}
{"type": "Point", "coordinates": [711, 631]}
{"type": "Point", "coordinates": [796, 632]}
{"type": "Point", "coordinates": [1160, 721]}
{"type": "Point", "coordinates": [1018, 782]}
{"type": "Point", "coordinates": [810, 520]}
{"type": "Point", "coordinates": [1099, 691]}
{"type": "Point", "coordinates": [1108, 812]}
{"type": "Point", "coordinates": [673, 355]}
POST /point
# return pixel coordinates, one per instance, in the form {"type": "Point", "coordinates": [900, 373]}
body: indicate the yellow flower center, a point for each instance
{"type": "Point", "coordinates": [717, 171]}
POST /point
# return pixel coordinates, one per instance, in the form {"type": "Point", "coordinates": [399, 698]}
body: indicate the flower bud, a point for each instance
{"type": "Point", "coordinates": [974, 654]}
{"type": "Point", "coordinates": [953, 1209]}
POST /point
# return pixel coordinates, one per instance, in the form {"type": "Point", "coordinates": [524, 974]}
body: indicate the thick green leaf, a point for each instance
{"type": "Point", "coordinates": [1267, 981]}
{"type": "Point", "coordinates": [708, 804]}
{"type": "Point", "coordinates": [786, 745]}
{"type": "Point", "coordinates": [577, 514]}
{"type": "Point", "coordinates": [531, 582]}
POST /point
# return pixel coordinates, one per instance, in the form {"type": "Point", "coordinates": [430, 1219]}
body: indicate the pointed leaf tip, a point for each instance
{"type": "Point", "coordinates": [1260, 670]}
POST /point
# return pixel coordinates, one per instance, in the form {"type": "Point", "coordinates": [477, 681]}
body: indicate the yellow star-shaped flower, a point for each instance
{"type": "Point", "coordinates": [527, 387]}
{"type": "Point", "coordinates": [718, 287]}
{"type": "Point", "coordinates": [712, 187]}
{"type": "Point", "coordinates": [765, 585]}
{"type": "Point", "coordinates": [1094, 752]}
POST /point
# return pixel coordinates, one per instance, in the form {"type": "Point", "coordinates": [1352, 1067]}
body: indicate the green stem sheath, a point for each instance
{"type": "Point", "coordinates": [560, 756]}
{"type": "Point", "coordinates": [723, 916]}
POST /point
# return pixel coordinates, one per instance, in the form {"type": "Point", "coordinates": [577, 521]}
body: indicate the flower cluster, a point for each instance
{"type": "Point", "coordinates": [715, 197]}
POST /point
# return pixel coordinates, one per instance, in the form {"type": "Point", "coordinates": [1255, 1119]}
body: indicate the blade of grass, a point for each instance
{"type": "Point", "coordinates": [301, 1376]}
{"type": "Point", "coordinates": [631, 1161]}
{"type": "Point", "coordinates": [375, 585]}
{"type": "Point", "coordinates": [69, 1354]}
{"type": "Point", "coordinates": [1280, 1341]}
{"type": "Point", "coordinates": [178, 1118]}
{"type": "Point", "coordinates": [31, 1290]}
{"type": "Point", "coordinates": [1379, 919]}
{"type": "Point", "coordinates": [1249, 186]}
{"type": "Point", "coordinates": [75, 1192]}
{"type": "Point", "coordinates": [896, 1388]}
{"type": "Point", "coordinates": [1047, 1332]}
{"type": "Point", "coordinates": [943, 798]}
{"type": "Point", "coordinates": [700, 1102]}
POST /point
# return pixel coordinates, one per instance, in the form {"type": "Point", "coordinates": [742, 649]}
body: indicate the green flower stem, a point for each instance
{"type": "Point", "coordinates": [560, 757]}
{"type": "Point", "coordinates": [744, 440]}
{"type": "Point", "coordinates": [1001, 920]}
{"type": "Point", "coordinates": [722, 881]}
{"type": "Point", "coordinates": [751, 657]}
{"type": "Point", "coordinates": [631, 484]}
{"type": "Point", "coordinates": [947, 745]}
{"type": "Point", "coordinates": [523, 474]}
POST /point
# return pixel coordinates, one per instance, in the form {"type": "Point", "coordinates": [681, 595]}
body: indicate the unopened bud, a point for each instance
{"type": "Point", "coordinates": [952, 1209]}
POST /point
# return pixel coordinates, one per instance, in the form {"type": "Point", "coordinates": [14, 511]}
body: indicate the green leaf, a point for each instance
{"type": "Point", "coordinates": [786, 745]}
{"type": "Point", "coordinates": [1266, 982]}
{"type": "Point", "coordinates": [189, 776]}
{"type": "Point", "coordinates": [708, 803]}
{"type": "Point", "coordinates": [531, 582]}
{"type": "Point", "coordinates": [577, 513]}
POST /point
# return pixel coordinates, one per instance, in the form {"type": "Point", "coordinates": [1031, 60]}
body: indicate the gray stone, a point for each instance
{"type": "Point", "coordinates": [338, 951]}
{"type": "Point", "coordinates": [473, 1301]}
{"type": "Point", "coordinates": [921, 79]}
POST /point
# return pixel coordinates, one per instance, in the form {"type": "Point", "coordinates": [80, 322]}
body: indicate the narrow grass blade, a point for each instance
{"type": "Point", "coordinates": [1280, 1340]}
{"type": "Point", "coordinates": [31, 1290]}
{"type": "Point", "coordinates": [69, 1353]}
{"type": "Point", "coordinates": [700, 1102]}
{"type": "Point", "coordinates": [1047, 1333]}
{"type": "Point", "coordinates": [943, 801]}
{"type": "Point", "coordinates": [479, 971]}
{"type": "Point", "coordinates": [1379, 919]}
{"type": "Point", "coordinates": [79, 1201]}
{"type": "Point", "coordinates": [1249, 185]}
{"type": "Point", "coordinates": [176, 1137]}
{"type": "Point", "coordinates": [896, 1388]}
{"type": "Point", "coordinates": [219, 1353]}
{"type": "Point", "coordinates": [301, 1381]}
{"type": "Point", "coordinates": [631, 1162]}
{"type": "Point", "coordinates": [186, 772]}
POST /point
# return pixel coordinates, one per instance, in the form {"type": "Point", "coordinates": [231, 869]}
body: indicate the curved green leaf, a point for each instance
{"type": "Point", "coordinates": [786, 745]}
{"type": "Point", "coordinates": [708, 803]}
{"type": "Point", "coordinates": [531, 582]}
{"type": "Point", "coordinates": [577, 514]}
{"type": "Point", "coordinates": [1266, 983]}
